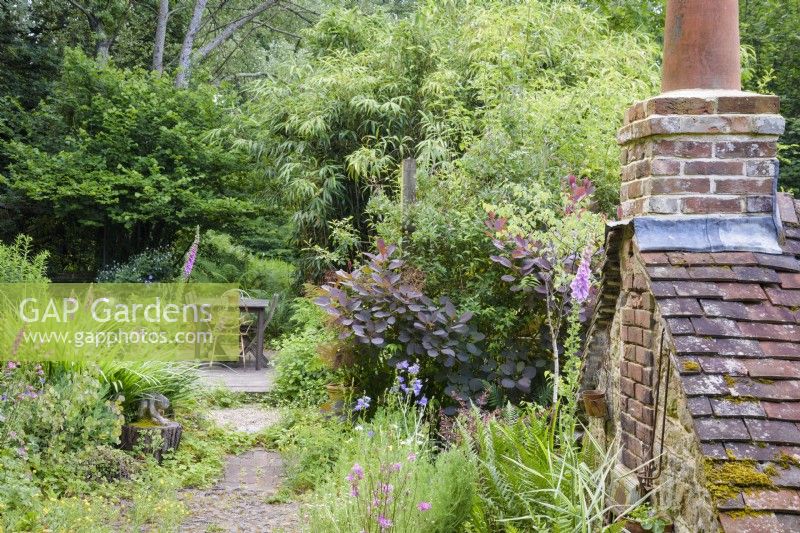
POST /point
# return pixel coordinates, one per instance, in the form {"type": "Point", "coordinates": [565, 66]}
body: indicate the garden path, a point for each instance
{"type": "Point", "coordinates": [237, 379]}
{"type": "Point", "coordinates": [240, 502]}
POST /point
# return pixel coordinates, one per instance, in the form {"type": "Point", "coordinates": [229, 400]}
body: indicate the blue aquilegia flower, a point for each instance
{"type": "Point", "coordinates": [362, 404]}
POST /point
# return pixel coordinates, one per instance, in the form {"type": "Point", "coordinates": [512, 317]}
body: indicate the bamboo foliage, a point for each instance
{"type": "Point", "coordinates": [480, 90]}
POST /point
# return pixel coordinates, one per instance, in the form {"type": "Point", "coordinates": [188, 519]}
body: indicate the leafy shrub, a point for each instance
{"type": "Point", "coordinates": [220, 260]}
{"type": "Point", "coordinates": [103, 463]}
{"type": "Point", "coordinates": [375, 305]}
{"type": "Point", "coordinates": [157, 265]}
{"type": "Point", "coordinates": [52, 429]}
{"type": "Point", "coordinates": [127, 152]}
{"type": "Point", "coordinates": [64, 415]}
{"type": "Point", "coordinates": [311, 443]}
{"type": "Point", "coordinates": [300, 372]}
{"type": "Point", "coordinates": [479, 93]}
{"type": "Point", "coordinates": [18, 263]}
{"type": "Point", "coordinates": [549, 251]}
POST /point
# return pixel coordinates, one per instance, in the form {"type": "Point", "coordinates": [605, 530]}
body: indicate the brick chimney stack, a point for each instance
{"type": "Point", "coordinates": [701, 147]}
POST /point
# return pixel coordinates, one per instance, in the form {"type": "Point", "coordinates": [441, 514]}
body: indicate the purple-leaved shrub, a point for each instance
{"type": "Point", "coordinates": [374, 305]}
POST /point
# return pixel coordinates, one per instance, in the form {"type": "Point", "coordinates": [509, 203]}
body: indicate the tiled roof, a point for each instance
{"type": "Point", "coordinates": [735, 321]}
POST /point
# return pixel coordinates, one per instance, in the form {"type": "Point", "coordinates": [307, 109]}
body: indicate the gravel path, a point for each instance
{"type": "Point", "coordinates": [248, 419]}
{"type": "Point", "coordinates": [239, 502]}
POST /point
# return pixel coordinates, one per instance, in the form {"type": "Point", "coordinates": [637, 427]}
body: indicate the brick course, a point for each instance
{"type": "Point", "coordinates": [637, 374]}
{"type": "Point", "coordinates": [699, 155]}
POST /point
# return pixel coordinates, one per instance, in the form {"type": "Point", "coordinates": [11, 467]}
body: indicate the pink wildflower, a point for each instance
{"type": "Point", "coordinates": [581, 284]}
{"type": "Point", "coordinates": [191, 255]}
{"type": "Point", "coordinates": [423, 506]}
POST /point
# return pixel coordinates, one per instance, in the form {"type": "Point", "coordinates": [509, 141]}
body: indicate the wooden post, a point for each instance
{"type": "Point", "coordinates": [409, 185]}
{"type": "Point", "coordinates": [408, 191]}
{"type": "Point", "coordinates": [260, 337]}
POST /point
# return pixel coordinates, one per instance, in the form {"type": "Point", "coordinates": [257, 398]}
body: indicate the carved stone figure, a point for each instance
{"type": "Point", "coordinates": [154, 405]}
{"type": "Point", "coordinates": [156, 439]}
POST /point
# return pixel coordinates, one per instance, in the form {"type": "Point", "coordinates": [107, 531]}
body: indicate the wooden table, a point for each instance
{"type": "Point", "coordinates": [263, 309]}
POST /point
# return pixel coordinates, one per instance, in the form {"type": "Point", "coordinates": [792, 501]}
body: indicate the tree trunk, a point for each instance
{"type": "Point", "coordinates": [231, 28]}
{"type": "Point", "coordinates": [185, 59]}
{"type": "Point", "coordinates": [102, 50]}
{"type": "Point", "coordinates": [161, 36]}
{"type": "Point", "coordinates": [102, 47]}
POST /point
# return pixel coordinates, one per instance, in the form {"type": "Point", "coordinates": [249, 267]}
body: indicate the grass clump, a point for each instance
{"type": "Point", "coordinates": [389, 474]}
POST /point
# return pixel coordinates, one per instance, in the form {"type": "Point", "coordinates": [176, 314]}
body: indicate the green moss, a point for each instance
{"type": "Point", "coordinates": [739, 399]}
{"type": "Point", "coordinates": [691, 366]}
{"type": "Point", "coordinates": [764, 380]}
{"type": "Point", "coordinates": [672, 408]}
{"type": "Point", "coordinates": [784, 460]}
{"type": "Point", "coordinates": [729, 380]}
{"type": "Point", "coordinates": [146, 423]}
{"type": "Point", "coordinates": [726, 479]}
{"type": "Point", "coordinates": [771, 471]}
{"type": "Point", "coordinates": [746, 512]}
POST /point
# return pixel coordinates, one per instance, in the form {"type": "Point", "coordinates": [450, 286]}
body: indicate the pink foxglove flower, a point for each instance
{"type": "Point", "coordinates": [191, 255]}
{"type": "Point", "coordinates": [580, 285]}
{"type": "Point", "coordinates": [423, 506]}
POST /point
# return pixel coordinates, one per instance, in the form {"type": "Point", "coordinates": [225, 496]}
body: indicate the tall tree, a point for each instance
{"type": "Point", "coordinates": [161, 35]}
{"type": "Point", "coordinates": [185, 59]}
{"type": "Point", "coordinates": [105, 21]}
{"type": "Point", "coordinates": [189, 57]}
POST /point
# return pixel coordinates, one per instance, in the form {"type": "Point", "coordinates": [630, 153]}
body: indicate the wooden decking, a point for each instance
{"type": "Point", "coordinates": [237, 379]}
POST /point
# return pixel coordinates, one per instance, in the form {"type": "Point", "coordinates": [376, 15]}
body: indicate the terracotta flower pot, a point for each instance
{"type": "Point", "coordinates": [336, 392]}
{"type": "Point", "coordinates": [336, 397]}
{"type": "Point", "coordinates": [594, 402]}
{"type": "Point", "coordinates": [636, 527]}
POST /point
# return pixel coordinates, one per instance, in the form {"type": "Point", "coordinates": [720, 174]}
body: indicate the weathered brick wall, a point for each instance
{"type": "Point", "coordinates": [633, 363]}
{"type": "Point", "coordinates": [700, 152]}
{"type": "Point", "coordinates": [636, 381]}
{"type": "Point", "coordinates": [681, 481]}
